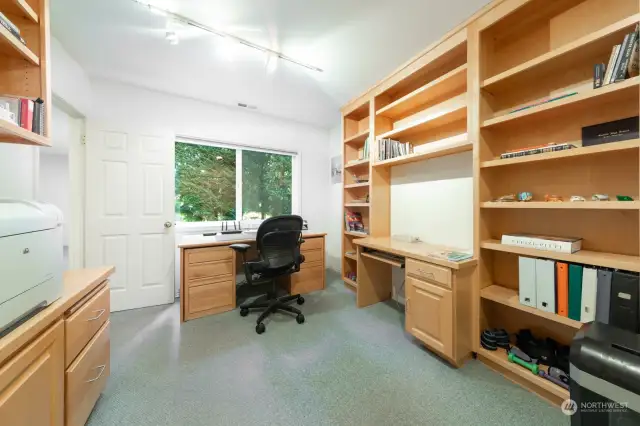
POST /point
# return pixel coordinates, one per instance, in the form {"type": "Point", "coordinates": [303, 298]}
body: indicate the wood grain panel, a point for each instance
{"type": "Point", "coordinates": [430, 272]}
{"type": "Point", "coordinates": [213, 296]}
{"type": "Point", "coordinates": [85, 322]}
{"type": "Point", "coordinates": [209, 254]}
{"type": "Point", "coordinates": [211, 269]}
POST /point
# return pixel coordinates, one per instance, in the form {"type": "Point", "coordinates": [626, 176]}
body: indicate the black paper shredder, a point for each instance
{"type": "Point", "coordinates": [605, 376]}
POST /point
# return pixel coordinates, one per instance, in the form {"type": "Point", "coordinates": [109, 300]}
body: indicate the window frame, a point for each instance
{"type": "Point", "coordinates": [295, 182]}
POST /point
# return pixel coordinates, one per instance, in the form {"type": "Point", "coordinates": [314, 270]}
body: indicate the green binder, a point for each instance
{"type": "Point", "coordinates": [575, 291]}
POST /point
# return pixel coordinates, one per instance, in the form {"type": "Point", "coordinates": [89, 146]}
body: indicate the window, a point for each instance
{"type": "Point", "coordinates": [216, 183]}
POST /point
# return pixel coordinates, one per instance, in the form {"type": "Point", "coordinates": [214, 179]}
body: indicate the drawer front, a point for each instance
{"type": "Point", "coordinates": [84, 323]}
{"type": "Point", "coordinates": [427, 271]}
{"type": "Point", "coordinates": [308, 280]}
{"type": "Point", "coordinates": [209, 254]}
{"type": "Point", "coordinates": [209, 270]}
{"type": "Point", "coordinates": [311, 257]}
{"type": "Point", "coordinates": [312, 244]}
{"type": "Point", "coordinates": [87, 377]}
{"type": "Point", "coordinates": [210, 297]}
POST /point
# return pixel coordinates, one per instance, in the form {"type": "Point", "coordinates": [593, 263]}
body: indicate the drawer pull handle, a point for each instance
{"type": "Point", "coordinates": [97, 316]}
{"type": "Point", "coordinates": [102, 368]}
{"type": "Point", "coordinates": [428, 274]}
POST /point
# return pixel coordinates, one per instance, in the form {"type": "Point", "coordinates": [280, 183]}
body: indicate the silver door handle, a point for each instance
{"type": "Point", "coordinates": [98, 316]}
{"type": "Point", "coordinates": [102, 368]}
{"type": "Point", "coordinates": [168, 224]}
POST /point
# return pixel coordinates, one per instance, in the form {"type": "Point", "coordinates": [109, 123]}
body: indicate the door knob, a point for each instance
{"type": "Point", "coordinates": [168, 224]}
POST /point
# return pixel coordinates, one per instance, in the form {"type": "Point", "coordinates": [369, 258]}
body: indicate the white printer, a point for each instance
{"type": "Point", "coordinates": [30, 259]}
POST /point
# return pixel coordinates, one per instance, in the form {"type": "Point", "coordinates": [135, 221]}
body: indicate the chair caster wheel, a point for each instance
{"type": "Point", "coordinates": [260, 328]}
{"type": "Point", "coordinates": [300, 300]}
{"type": "Point", "coordinates": [244, 312]}
{"type": "Point", "coordinates": [300, 318]}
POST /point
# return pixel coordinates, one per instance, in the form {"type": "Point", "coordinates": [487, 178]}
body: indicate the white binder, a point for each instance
{"type": "Point", "coordinates": [527, 281]}
{"type": "Point", "coordinates": [546, 285]}
{"type": "Point", "coordinates": [589, 292]}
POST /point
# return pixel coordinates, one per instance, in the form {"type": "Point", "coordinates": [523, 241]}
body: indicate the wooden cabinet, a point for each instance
{"type": "Point", "coordinates": [32, 382]}
{"type": "Point", "coordinates": [429, 315]}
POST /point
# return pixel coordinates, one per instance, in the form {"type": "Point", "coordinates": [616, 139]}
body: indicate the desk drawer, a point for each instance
{"type": "Point", "coordinates": [311, 257]}
{"type": "Point", "coordinates": [209, 254]}
{"type": "Point", "coordinates": [307, 280]}
{"type": "Point", "coordinates": [312, 244]}
{"type": "Point", "coordinates": [427, 271]}
{"type": "Point", "coordinates": [210, 297]}
{"type": "Point", "coordinates": [86, 378]}
{"type": "Point", "coordinates": [209, 270]}
{"type": "Point", "coordinates": [83, 324]}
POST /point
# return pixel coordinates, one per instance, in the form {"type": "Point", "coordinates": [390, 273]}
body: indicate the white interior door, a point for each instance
{"type": "Point", "coordinates": [130, 213]}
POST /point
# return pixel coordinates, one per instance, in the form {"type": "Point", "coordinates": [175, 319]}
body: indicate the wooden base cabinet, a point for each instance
{"type": "Point", "coordinates": [32, 382]}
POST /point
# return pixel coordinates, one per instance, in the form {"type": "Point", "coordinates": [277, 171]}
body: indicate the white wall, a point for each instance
{"type": "Point", "coordinates": [54, 186]}
{"type": "Point", "coordinates": [69, 82]}
{"type": "Point", "coordinates": [18, 165]}
{"type": "Point", "coordinates": [334, 238]}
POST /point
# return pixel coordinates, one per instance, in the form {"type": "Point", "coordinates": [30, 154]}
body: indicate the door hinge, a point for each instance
{"type": "Point", "coordinates": [84, 140]}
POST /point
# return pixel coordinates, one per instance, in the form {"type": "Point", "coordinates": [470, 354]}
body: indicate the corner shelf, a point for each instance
{"type": "Point", "coordinates": [10, 132]}
{"type": "Point", "coordinates": [356, 234]}
{"type": "Point", "coordinates": [19, 7]}
{"type": "Point", "coordinates": [562, 57]}
{"type": "Point", "coordinates": [578, 205]}
{"type": "Point", "coordinates": [420, 156]}
{"type": "Point", "coordinates": [439, 119]}
{"type": "Point", "coordinates": [11, 46]}
{"type": "Point", "coordinates": [595, 258]}
{"type": "Point", "coordinates": [356, 185]}
{"type": "Point", "coordinates": [591, 97]}
{"type": "Point", "coordinates": [350, 282]}
{"type": "Point", "coordinates": [356, 164]}
{"type": "Point", "coordinates": [448, 83]}
{"type": "Point", "coordinates": [590, 150]}
{"type": "Point", "coordinates": [358, 138]}
{"type": "Point", "coordinates": [509, 297]}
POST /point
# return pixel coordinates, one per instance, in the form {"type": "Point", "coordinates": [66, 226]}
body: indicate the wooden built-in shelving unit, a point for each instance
{"type": "Point", "coordinates": [474, 90]}
{"type": "Point", "coordinates": [25, 69]}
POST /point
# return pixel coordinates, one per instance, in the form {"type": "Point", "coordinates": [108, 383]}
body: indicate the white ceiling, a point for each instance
{"type": "Point", "coordinates": [355, 42]}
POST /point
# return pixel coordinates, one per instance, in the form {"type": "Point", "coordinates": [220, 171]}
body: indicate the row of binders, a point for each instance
{"type": "Point", "coordinates": [388, 148]}
{"type": "Point", "coordinates": [581, 293]}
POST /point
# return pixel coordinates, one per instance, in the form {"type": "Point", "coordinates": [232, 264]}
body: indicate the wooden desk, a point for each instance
{"type": "Point", "coordinates": [208, 270]}
{"type": "Point", "coordinates": [438, 293]}
{"type": "Point", "coordinates": [54, 366]}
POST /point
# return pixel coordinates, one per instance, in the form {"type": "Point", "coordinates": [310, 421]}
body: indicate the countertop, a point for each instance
{"type": "Point", "coordinates": [193, 241]}
{"type": "Point", "coordinates": [420, 251]}
{"type": "Point", "coordinates": [77, 283]}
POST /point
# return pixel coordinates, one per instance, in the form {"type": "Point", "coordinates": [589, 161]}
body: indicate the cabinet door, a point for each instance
{"type": "Point", "coordinates": [32, 382]}
{"type": "Point", "coordinates": [429, 315]}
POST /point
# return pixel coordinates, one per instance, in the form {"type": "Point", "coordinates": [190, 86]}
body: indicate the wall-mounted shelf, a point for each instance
{"type": "Point", "coordinates": [453, 81]}
{"type": "Point", "coordinates": [585, 99]}
{"type": "Point", "coordinates": [356, 204]}
{"type": "Point", "coordinates": [607, 260]}
{"type": "Point", "coordinates": [10, 132]}
{"type": "Point", "coordinates": [358, 138]}
{"type": "Point", "coordinates": [20, 8]}
{"type": "Point", "coordinates": [590, 150]}
{"type": "Point", "coordinates": [508, 297]}
{"type": "Point", "coordinates": [438, 119]}
{"type": "Point", "coordinates": [578, 205]}
{"type": "Point", "coordinates": [11, 46]}
{"type": "Point", "coordinates": [462, 146]}
{"type": "Point", "coordinates": [356, 185]}
{"type": "Point", "coordinates": [351, 256]}
{"type": "Point", "coordinates": [358, 163]}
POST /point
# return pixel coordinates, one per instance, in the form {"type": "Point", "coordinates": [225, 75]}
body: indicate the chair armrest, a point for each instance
{"type": "Point", "coordinates": [242, 248]}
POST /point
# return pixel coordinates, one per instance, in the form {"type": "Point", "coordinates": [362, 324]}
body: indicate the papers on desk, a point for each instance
{"type": "Point", "coordinates": [452, 256]}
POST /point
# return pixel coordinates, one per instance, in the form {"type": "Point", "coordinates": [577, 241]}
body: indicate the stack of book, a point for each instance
{"type": "Point", "coordinates": [353, 222]}
{"type": "Point", "coordinates": [623, 62]}
{"type": "Point", "coordinates": [388, 148]}
{"type": "Point", "coordinates": [363, 153]}
{"type": "Point", "coordinates": [13, 29]}
{"type": "Point", "coordinates": [26, 113]}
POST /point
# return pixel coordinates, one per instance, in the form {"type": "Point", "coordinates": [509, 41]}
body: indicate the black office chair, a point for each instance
{"type": "Point", "coordinates": [278, 240]}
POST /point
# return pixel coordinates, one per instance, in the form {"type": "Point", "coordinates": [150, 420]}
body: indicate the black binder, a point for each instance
{"type": "Point", "coordinates": [603, 298]}
{"type": "Point", "coordinates": [625, 292]}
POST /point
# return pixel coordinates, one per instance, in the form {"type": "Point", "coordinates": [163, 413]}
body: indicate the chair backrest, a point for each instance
{"type": "Point", "coordinates": [279, 241]}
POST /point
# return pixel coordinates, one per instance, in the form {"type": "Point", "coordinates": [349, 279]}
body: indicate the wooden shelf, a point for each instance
{"type": "Point", "coordinates": [351, 256]}
{"type": "Point", "coordinates": [356, 204]}
{"type": "Point", "coordinates": [356, 164]}
{"type": "Point", "coordinates": [425, 155]}
{"type": "Point", "coordinates": [358, 138]}
{"type": "Point", "coordinates": [451, 82]}
{"type": "Point", "coordinates": [18, 7]}
{"type": "Point", "coordinates": [590, 150]}
{"type": "Point", "coordinates": [356, 185]}
{"type": "Point", "coordinates": [586, 99]}
{"type": "Point", "coordinates": [438, 119]}
{"type": "Point", "coordinates": [607, 260]}
{"type": "Point", "coordinates": [562, 57]}
{"type": "Point", "coordinates": [499, 357]}
{"type": "Point", "coordinates": [10, 132]}
{"type": "Point", "coordinates": [356, 234]}
{"type": "Point", "coordinates": [578, 205]}
{"type": "Point", "coordinates": [384, 259]}
{"type": "Point", "coordinates": [11, 46]}
{"type": "Point", "coordinates": [508, 297]}
{"type": "Point", "coordinates": [350, 282]}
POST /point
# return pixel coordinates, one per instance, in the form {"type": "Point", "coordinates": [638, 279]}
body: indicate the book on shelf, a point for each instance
{"type": "Point", "coordinates": [26, 113]}
{"type": "Point", "coordinates": [611, 131]}
{"type": "Point", "coordinates": [543, 242]}
{"type": "Point", "coordinates": [363, 153]}
{"type": "Point", "coordinates": [612, 61]}
{"type": "Point", "coordinates": [598, 75]}
{"type": "Point", "coordinates": [626, 51]}
{"type": "Point", "coordinates": [539, 149]}
{"type": "Point", "coordinates": [389, 148]}
{"type": "Point", "coordinates": [353, 222]}
{"type": "Point", "coordinates": [450, 255]}
{"type": "Point", "coordinates": [616, 65]}
{"type": "Point", "coordinates": [11, 27]}
{"type": "Point", "coordinates": [633, 69]}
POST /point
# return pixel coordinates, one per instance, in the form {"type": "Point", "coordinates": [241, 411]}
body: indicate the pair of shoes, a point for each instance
{"type": "Point", "coordinates": [494, 338]}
